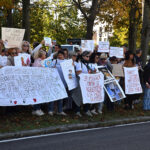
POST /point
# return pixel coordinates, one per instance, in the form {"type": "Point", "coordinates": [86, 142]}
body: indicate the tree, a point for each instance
{"type": "Point", "coordinates": [26, 18]}
{"type": "Point", "coordinates": [89, 13]}
{"type": "Point", "coordinates": [145, 36]}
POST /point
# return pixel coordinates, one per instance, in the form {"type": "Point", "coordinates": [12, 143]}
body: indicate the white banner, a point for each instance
{"type": "Point", "coordinates": [103, 47]}
{"type": "Point", "coordinates": [87, 45]}
{"type": "Point", "coordinates": [117, 70]}
{"type": "Point", "coordinates": [3, 60]}
{"type": "Point", "coordinates": [116, 51]}
{"type": "Point", "coordinates": [22, 58]}
{"type": "Point", "coordinates": [13, 36]}
{"type": "Point", "coordinates": [30, 85]}
{"type": "Point", "coordinates": [132, 81]}
{"type": "Point", "coordinates": [92, 87]}
{"type": "Point", "coordinates": [69, 74]}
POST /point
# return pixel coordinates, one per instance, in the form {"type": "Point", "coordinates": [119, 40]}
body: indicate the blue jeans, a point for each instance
{"type": "Point", "coordinates": [36, 107]}
{"type": "Point", "coordinates": [59, 106]}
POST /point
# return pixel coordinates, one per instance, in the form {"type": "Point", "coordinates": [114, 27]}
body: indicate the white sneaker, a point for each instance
{"type": "Point", "coordinates": [38, 113]}
{"type": "Point", "coordinates": [78, 114]}
{"type": "Point", "coordinates": [94, 112]}
{"type": "Point", "coordinates": [62, 114]}
{"type": "Point", "coordinates": [50, 113]}
{"type": "Point", "coordinates": [99, 111]}
{"type": "Point", "coordinates": [88, 113]}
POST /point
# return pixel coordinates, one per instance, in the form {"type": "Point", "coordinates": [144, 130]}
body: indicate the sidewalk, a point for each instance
{"type": "Point", "coordinates": [69, 127]}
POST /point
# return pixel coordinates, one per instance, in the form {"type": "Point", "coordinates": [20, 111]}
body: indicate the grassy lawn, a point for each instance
{"type": "Point", "coordinates": [21, 118]}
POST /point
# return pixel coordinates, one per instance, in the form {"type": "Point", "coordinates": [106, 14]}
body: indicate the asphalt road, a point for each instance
{"type": "Point", "coordinates": [130, 137]}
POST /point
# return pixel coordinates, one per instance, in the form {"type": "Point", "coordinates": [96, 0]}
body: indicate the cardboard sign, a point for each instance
{"type": "Point", "coordinates": [114, 91]}
{"type": "Point", "coordinates": [92, 88]}
{"type": "Point", "coordinates": [48, 41]}
{"type": "Point", "coordinates": [87, 45]}
{"type": "Point", "coordinates": [103, 47]}
{"type": "Point", "coordinates": [22, 58]}
{"type": "Point", "coordinates": [116, 51]}
{"type": "Point", "coordinates": [69, 74]}
{"type": "Point", "coordinates": [132, 81]}
{"type": "Point", "coordinates": [12, 37]}
{"type": "Point", "coordinates": [117, 70]}
{"type": "Point", "coordinates": [47, 62]}
{"type": "Point", "coordinates": [30, 85]}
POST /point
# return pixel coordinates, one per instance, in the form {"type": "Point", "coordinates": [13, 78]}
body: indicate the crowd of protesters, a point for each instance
{"type": "Point", "coordinates": [83, 62]}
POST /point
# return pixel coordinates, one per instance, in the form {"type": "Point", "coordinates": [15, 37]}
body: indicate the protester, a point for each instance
{"type": "Point", "coordinates": [56, 64]}
{"type": "Point", "coordinates": [66, 53]}
{"type": "Point", "coordinates": [146, 101]}
{"type": "Point", "coordinates": [41, 55]}
{"type": "Point", "coordinates": [56, 50]}
{"type": "Point", "coordinates": [25, 47]}
{"type": "Point", "coordinates": [12, 52]}
{"type": "Point", "coordinates": [129, 62]}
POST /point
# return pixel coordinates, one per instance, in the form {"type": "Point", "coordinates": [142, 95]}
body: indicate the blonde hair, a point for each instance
{"type": "Point", "coordinates": [26, 42]}
{"type": "Point", "coordinates": [39, 54]}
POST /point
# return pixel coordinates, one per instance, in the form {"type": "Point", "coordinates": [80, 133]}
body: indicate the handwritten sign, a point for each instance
{"type": "Point", "coordinates": [13, 36]}
{"type": "Point", "coordinates": [116, 51]}
{"type": "Point", "coordinates": [69, 74]}
{"type": "Point", "coordinates": [47, 62]}
{"type": "Point", "coordinates": [92, 88]}
{"type": "Point", "coordinates": [22, 58]}
{"type": "Point", "coordinates": [87, 45]}
{"type": "Point", "coordinates": [114, 91]}
{"type": "Point", "coordinates": [30, 85]}
{"type": "Point", "coordinates": [3, 60]}
{"type": "Point", "coordinates": [48, 41]}
{"type": "Point", "coordinates": [103, 47]}
{"type": "Point", "coordinates": [117, 70]}
{"type": "Point", "coordinates": [132, 81]}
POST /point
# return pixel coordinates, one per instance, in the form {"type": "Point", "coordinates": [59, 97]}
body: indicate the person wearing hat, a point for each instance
{"type": "Point", "coordinates": [103, 59]}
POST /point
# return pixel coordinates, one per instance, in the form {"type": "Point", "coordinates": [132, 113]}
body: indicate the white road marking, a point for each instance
{"type": "Point", "coordinates": [69, 132]}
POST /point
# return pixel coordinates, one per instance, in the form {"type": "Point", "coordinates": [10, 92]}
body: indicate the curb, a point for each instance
{"type": "Point", "coordinates": [62, 128]}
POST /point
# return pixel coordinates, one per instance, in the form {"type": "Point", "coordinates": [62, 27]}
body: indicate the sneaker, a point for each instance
{"type": "Point", "coordinates": [99, 111]}
{"type": "Point", "coordinates": [88, 113]}
{"type": "Point", "coordinates": [50, 113]}
{"type": "Point", "coordinates": [78, 114]}
{"type": "Point", "coordinates": [38, 113]}
{"type": "Point", "coordinates": [94, 112]}
{"type": "Point", "coordinates": [62, 114]}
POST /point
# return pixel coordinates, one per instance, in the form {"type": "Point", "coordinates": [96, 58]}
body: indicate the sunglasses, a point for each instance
{"type": "Point", "coordinates": [13, 53]}
{"type": "Point", "coordinates": [26, 45]}
{"type": "Point", "coordinates": [87, 56]}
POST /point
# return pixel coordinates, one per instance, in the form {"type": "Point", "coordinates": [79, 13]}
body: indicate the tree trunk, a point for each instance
{"type": "Point", "coordinates": [132, 29]}
{"type": "Point", "coordinates": [145, 37]}
{"type": "Point", "coordinates": [26, 19]}
{"type": "Point", "coordinates": [9, 22]}
{"type": "Point", "coordinates": [89, 31]}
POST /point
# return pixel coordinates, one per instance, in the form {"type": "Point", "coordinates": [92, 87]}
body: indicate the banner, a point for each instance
{"type": "Point", "coordinates": [48, 41]}
{"type": "Point", "coordinates": [30, 85]}
{"type": "Point", "coordinates": [3, 60]}
{"type": "Point", "coordinates": [22, 58]}
{"type": "Point", "coordinates": [47, 62]}
{"type": "Point", "coordinates": [117, 70]}
{"type": "Point", "coordinates": [92, 88]}
{"type": "Point", "coordinates": [132, 81]}
{"type": "Point", "coordinates": [69, 74]}
{"type": "Point", "coordinates": [87, 45]}
{"type": "Point", "coordinates": [13, 36]}
{"type": "Point", "coordinates": [114, 91]}
{"type": "Point", "coordinates": [116, 51]}
{"type": "Point", "coordinates": [103, 47]}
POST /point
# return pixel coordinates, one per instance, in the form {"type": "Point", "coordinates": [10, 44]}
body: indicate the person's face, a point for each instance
{"type": "Point", "coordinates": [13, 53]}
{"type": "Point", "coordinates": [87, 57]}
{"type": "Point", "coordinates": [66, 54]}
{"type": "Point", "coordinates": [56, 49]}
{"type": "Point", "coordinates": [96, 59]}
{"type": "Point", "coordinates": [25, 47]}
{"type": "Point", "coordinates": [74, 57]}
{"type": "Point", "coordinates": [103, 60]}
{"type": "Point", "coordinates": [60, 56]}
{"type": "Point", "coordinates": [131, 56]}
{"type": "Point", "coordinates": [140, 54]}
{"type": "Point", "coordinates": [43, 56]}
